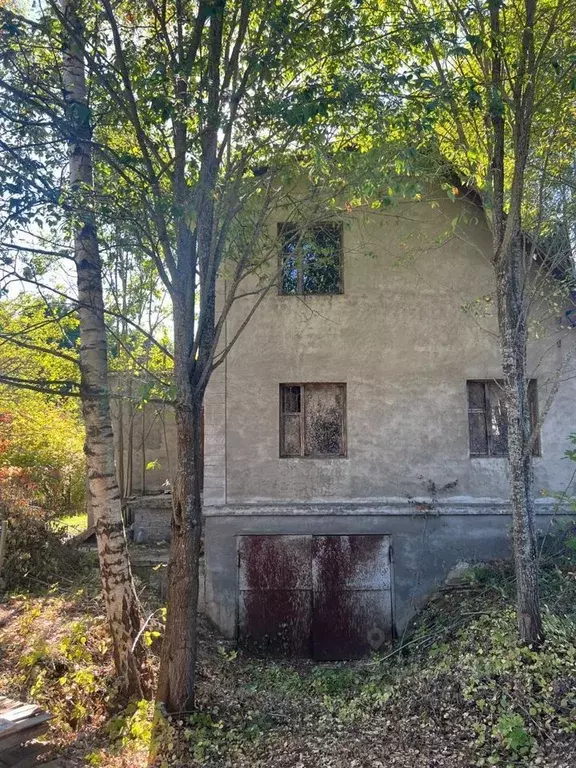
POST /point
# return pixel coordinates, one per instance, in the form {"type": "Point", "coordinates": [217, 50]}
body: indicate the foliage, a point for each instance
{"type": "Point", "coordinates": [132, 726]}
{"type": "Point", "coordinates": [55, 650]}
{"type": "Point", "coordinates": [74, 524]}
{"type": "Point", "coordinates": [458, 686]}
{"type": "Point", "coordinates": [36, 552]}
{"type": "Point", "coordinates": [63, 662]}
{"type": "Point", "coordinates": [40, 434]}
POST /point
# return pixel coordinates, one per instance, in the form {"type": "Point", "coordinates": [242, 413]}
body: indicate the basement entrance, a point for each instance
{"type": "Point", "coordinates": [328, 597]}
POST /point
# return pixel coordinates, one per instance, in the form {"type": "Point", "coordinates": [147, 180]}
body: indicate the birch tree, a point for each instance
{"type": "Point", "coordinates": [37, 116]}
{"type": "Point", "coordinates": [123, 609]}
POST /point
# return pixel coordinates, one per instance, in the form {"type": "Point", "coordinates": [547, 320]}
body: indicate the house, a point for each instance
{"type": "Point", "coordinates": [355, 439]}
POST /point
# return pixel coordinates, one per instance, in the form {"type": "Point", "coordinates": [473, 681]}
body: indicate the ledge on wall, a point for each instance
{"type": "Point", "coordinates": [402, 507]}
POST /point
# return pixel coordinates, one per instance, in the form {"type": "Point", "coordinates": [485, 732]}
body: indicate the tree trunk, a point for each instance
{"type": "Point", "coordinates": [122, 606]}
{"type": "Point", "coordinates": [513, 335]}
{"type": "Point", "coordinates": [192, 365]}
{"type": "Point", "coordinates": [176, 680]}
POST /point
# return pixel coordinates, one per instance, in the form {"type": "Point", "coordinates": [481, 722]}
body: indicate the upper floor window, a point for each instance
{"type": "Point", "coordinates": [312, 420]}
{"type": "Point", "coordinates": [311, 258]}
{"type": "Point", "coordinates": [488, 421]}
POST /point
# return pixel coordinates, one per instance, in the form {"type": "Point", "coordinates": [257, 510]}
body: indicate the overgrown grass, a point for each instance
{"type": "Point", "coordinates": [55, 650]}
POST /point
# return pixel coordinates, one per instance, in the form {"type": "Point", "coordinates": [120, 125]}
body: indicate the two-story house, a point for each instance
{"type": "Point", "coordinates": [355, 436]}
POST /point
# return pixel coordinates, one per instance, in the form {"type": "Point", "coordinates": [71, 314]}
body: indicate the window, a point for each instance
{"type": "Point", "coordinates": [312, 420]}
{"type": "Point", "coordinates": [488, 421]}
{"type": "Point", "coordinates": [311, 259]}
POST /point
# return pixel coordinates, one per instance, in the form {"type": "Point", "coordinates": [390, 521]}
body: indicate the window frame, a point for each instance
{"type": "Point", "coordinates": [281, 227]}
{"type": "Point", "coordinates": [302, 455]}
{"type": "Point", "coordinates": [534, 410]}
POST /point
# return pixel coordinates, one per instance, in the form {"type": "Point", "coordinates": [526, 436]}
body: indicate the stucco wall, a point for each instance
{"type": "Point", "coordinates": [145, 438]}
{"type": "Point", "coordinates": [399, 338]}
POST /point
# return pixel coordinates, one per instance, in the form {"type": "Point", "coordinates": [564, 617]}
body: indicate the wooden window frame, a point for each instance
{"type": "Point", "coordinates": [533, 405]}
{"type": "Point", "coordinates": [282, 226]}
{"type": "Point", "coordinates": [302, 455]}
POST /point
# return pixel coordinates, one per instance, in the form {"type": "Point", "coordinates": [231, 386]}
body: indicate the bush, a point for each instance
{"type": "Point", "coordinates": [41, 446]}
{"type": "Point", "coordinates": [36, 552]}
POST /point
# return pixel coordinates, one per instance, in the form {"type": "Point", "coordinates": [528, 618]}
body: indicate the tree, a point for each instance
{"type": "Point", "coordinates": [74, 200]}
{"type": "Point", "coordinates": [123, 608]}
{"type": "Point", "coordinates": [487, 95]}
{"type": "Point", "coordinates": [41, 432]}
{"type": "Point", "coordinates": [235, 128]}
{"type": "Point", "coordinates": [204, 113]}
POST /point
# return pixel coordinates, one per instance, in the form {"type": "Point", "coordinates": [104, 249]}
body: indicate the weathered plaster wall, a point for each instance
{"type": "Point", "coordinates": [401, 341]}
{"type": "Point", "coordinates": [145, 438]}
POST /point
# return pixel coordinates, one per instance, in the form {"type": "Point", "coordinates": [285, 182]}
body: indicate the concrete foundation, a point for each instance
{"type": "Point", "coordinates": [426, 545]}
{"type": "Point", "coordinates": [149, 518]}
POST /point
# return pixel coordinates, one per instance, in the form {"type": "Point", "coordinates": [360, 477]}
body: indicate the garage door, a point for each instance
{"type": "Point", "coordinates": [328, 597]}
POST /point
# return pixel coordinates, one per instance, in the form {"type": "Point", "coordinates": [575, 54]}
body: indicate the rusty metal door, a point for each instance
{"type": "Point", "coordinates": [325, 596]}
{"type": "Point", "coordinates": [352, 606]}
{"type": "Point", "coordinates": [275, 594]}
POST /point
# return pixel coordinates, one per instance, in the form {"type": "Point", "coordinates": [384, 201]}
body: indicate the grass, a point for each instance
{"type": "Point", "coordinates": [74, 523]}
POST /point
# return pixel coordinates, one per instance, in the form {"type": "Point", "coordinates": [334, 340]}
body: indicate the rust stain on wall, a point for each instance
{"type": "Point", "coordinates": [351, 595]}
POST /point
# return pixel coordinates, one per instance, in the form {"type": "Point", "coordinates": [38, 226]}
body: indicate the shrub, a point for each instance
{"type": "Point", "coordinates": [43, 441]}
{"type": "Point", "coordinates": [36, 552]}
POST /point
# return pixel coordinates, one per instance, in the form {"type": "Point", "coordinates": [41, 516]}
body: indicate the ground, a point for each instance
{"type": "Point", "coordinates": [455, 691]}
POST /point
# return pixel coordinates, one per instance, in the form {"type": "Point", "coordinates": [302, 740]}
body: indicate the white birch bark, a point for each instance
{"type": "Point", "coordinates": [122, 604]}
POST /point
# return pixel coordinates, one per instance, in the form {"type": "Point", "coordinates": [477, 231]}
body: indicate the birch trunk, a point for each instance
{"type": "Point", "coordinates": [513, 335]}
{"type": "Point", "coordinates": [122, 604]}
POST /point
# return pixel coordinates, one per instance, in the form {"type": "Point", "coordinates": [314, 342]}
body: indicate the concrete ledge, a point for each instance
{"type": "Point", "coordinates": [426, 545]}
{"type": "Point", "coordinates": [403, 508]}
{"type": "Point", "coordinates": [153, 501]}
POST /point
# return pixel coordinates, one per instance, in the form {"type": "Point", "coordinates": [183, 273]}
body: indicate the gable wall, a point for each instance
{"type": "Point", "coordinates": [400, 340]}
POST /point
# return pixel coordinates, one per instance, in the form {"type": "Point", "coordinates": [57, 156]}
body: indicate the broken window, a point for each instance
{"type": "Point", "coordinates": [312, 420]}
{"type": "Point", "coordinates": [311, 258]}
{"type": "Point", "coordinates": [487, 419]}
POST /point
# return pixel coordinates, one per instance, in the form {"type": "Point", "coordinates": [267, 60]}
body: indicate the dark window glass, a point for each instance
{"type": "Point", "coordinates": [487, 419]}
{"type": "Point", "coordinates": [312, 420]}
{"type": "Point", "coordinates": [311, 259]}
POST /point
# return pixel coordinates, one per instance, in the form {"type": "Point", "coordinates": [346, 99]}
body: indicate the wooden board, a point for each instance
{"type": "Point", "coordinates": [19, 722]}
